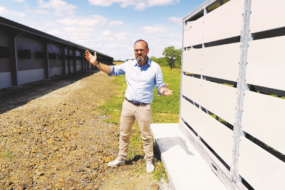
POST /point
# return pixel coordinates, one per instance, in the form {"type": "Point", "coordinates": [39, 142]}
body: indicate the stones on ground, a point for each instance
{"type": "Point", "coordinates": [154, 186]}
{"type": "Point", "coordinates": [59, 142]}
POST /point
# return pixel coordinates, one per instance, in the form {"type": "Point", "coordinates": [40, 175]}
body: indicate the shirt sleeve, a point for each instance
{"type": "Point", "coordinates": [117, 70]}
{"type": "Point", "coordinates": [159, 80]}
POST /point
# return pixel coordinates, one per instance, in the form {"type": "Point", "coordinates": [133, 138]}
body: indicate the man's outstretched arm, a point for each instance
{"type": "Point", "coordinates": [93, 60]}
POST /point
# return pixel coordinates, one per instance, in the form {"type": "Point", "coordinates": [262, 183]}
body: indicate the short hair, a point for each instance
{"type": "Point", "coordinates": [140, 40]}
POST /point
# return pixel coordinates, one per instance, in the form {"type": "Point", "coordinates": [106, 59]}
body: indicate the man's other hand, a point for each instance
{"type": "Point", "coordinates": [92, 59]}
{"type": "Point", "coordinates": [167, 91]}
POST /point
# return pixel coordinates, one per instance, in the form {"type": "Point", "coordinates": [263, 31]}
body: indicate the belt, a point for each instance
{"type": "Point", "coordinates": [136, 103]}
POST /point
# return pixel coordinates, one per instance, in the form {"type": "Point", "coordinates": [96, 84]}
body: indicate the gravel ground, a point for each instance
{"type": "Point", "coordinates": [52, 136]}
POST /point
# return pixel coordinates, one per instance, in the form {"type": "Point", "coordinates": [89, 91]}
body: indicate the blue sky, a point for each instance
{"type": "Point", "coordinates": [108, 26]}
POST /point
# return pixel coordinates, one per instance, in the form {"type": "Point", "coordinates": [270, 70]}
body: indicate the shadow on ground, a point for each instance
{"type": "Point", "coordinates": [169, 142]}
{"type": "Point", "coordinates": [13, 97]}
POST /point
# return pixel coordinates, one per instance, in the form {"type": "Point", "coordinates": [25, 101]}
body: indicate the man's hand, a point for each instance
{"type": "Point", "coordinates": [167, 92]}
{"type": "Point", "coordinates": [92, 59]}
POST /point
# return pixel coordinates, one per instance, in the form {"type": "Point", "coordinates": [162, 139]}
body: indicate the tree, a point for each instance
{"type": "Point", "coordinates": [172, 55]}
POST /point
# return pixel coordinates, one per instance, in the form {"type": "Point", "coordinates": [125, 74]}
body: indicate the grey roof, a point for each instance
{"type": "Point", "coordinates": [21, 27]}
{"type": "Point", "coordinates": [198, 9]}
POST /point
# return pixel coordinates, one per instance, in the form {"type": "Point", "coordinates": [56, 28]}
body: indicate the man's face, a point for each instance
{"type": "Point", "coordinates": [140, 51]}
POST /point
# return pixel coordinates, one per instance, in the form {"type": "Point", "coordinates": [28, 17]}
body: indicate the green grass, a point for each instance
{"type": "Point", "coordinates": [7, 154]}
{"type": "Point", "coordinates": [164, 110]}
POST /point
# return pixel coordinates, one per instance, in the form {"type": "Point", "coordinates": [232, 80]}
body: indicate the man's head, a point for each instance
{"type": "Point", "coordinates": [141, 50]}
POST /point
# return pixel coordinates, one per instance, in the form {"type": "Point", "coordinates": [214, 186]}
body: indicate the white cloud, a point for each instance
{"type": "Point", "coordinates": [175, 20]}
{"type": "Point", "coordinates": [107, 33]}
{"type": "Point", "coordinates": [39, 11]}
{"type": "Point", "coordinates": [5, 12]}
{"type": "Point", "coordinates": [79, 33]}
{"type": "Point", "coordinates": [154, 29]}
{"type": "Point", "coordinates": [54, 32]}
{"type": "Point", "coordinates": [61, 8]}
{"type": "Point", "coordinates": [84, 21]}
{"type": "Point", "coordinates": [113, 23]}
{"type": "Point", "coordinates": [49, 23]}
{"type": "Point", "coordinates": [115, 36]}
{"type": "Point", "coordinates": [138, 4]}
{"type": "Point", "coordinates": [19, 1]}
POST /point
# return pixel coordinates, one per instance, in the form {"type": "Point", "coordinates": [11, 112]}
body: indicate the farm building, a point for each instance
{"type": "Point", "coordinates": [28, 55]}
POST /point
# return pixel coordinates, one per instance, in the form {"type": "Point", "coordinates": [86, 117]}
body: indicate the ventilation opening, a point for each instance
{"type": "Point", "coordinates": [221, 81]}
{"type": "Point", "coordinates": [195, 133]}
{"type": "Point", "coordinates": [269, 34]}
{"type": "Point", "coordinates": [216, 5]}
{"type": "Point", "coordinates": [192, 75]}
{"type": "Point", "coordinates": [213, 79]}
{"type": "Point", "coordinates": [268, 91]}
{"type": "Point", "coordinates": [223, 42]}
{"type": "Point", "coordinates": [219, 158]}
{"type": "Point", "coordinates": [213, 166]}
{"type": "Point", "coordinates": [246, 184]}
{"type": "Point", "coordinates": [264, 146]}
{"type": "Point", "coordinates": [224, 122]}
{"type": "Point", "coordinates": [196, 16]}
{"type": "Point", "coordinates": [198, 46]}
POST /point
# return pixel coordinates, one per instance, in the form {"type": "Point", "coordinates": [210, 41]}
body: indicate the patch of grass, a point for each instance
{"type": "Point", "coordinates": [164, 110]}
{"type": "Point", "coordinates": [7, 154]}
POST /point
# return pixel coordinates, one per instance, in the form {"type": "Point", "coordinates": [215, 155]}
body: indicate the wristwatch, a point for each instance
{"type": "Point", "coordinates": [97, 64]}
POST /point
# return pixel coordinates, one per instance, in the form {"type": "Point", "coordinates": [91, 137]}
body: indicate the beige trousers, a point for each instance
{"type": "Point", "coordinates": [142, 114]}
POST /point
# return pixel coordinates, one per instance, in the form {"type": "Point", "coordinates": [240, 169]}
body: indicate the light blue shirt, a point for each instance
{"type": "Point", "coordinates": [140, 79]}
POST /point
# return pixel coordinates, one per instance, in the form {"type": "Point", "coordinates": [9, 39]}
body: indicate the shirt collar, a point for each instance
{"type": "Point", "coordinates": [147, 63]}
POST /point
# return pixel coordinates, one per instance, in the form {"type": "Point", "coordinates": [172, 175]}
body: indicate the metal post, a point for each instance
{"type": "Point", "coordinates": [13, 58]}
{"type": "Point", "coordinates": [74, 60]}
{"type": "Point", "coordinates": [46, 66]}
{"type": "Point", "coordinates": [82, 63]}
{"type": "Point", "coordinates": [64, 64]}
{"type": "Point", "coordinates": [241, 87]}
{"type": "Point", "coordinates": [68, 62]}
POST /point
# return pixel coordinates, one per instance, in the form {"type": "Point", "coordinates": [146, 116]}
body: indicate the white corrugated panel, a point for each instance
{"type": "Point", "coordinates": [28, 76]}
{"type": "Point", "coordinates": [221, 61]}
{"type": "Point", "coordinates": [190, 115]}
{"type": "Point", "coordinates": [218, 136]}
{"type": "Point", "coordinates": [224, 22]}
{"type": "Point", "coordinates": [5, 80]}
{"type": "Point", "coordinates": [193, 32]}
{"type": "Point", "coordinates": [267, 15]}
{"type": "Point", "coordinates": [219, 99]}
{"type": "Point", "coordinates": [266, 63]}
{"type": "Point", "coordinates": [259, 168]}
{"type": "Point", "coordinates": [192, 61]}
{"type": "Point", "coordinates": [263, 118]}
{"type": "Point", "coordinates": [191, 88]}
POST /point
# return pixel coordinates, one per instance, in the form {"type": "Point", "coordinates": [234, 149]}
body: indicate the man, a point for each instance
{"type": "Point", "coordinates": [141, 76]}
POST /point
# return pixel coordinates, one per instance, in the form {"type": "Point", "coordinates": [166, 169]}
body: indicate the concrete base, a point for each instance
{"type": "Point", "coordinates": [185, 168]}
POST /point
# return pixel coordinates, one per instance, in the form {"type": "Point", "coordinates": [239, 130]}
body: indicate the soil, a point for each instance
{"type": "Point", "coordinates": [52, 136]}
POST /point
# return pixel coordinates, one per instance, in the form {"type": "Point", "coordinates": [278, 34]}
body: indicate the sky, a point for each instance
{"type": "Point", "coordinates": [108, 26]}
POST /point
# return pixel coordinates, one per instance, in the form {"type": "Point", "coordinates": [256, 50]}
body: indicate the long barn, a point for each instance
{"type": "Point", "coordinates": [28, 55]}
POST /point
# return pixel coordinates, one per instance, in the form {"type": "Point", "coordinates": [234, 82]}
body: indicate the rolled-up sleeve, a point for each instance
{"type": "Point", "coordinates": [159, 81]}
{"type": "Point", "coordinates": [117, 70]}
